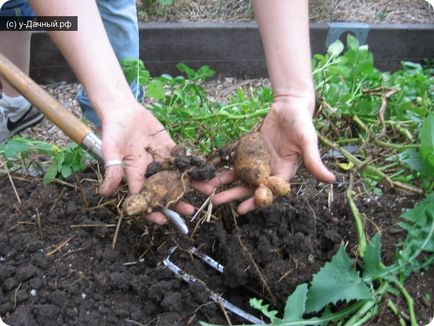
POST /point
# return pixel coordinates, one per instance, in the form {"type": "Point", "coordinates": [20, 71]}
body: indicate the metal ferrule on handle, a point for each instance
{"type": "Point", "coordinates": [93, 144]}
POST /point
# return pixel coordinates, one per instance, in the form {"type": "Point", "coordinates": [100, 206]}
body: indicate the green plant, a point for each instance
{"type": "Point", "coordinates": [158, 7]}
{"type": "Point", "coordinates": [390, 115]}
{"type": "Point", "coordinates": [358, 104]}
{"type": "Point", "coordinates": [64, 161]}
{"type": "Point", "coordinates": [359, 294]}
{"type": "Point", "coordinates": [182, 105]}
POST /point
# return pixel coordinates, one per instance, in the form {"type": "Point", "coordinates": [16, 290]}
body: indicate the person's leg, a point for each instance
{"type": "Point", "coordinates": [16, 113]}
{"type": "Point", "coordinates": [121, 24]}
{"type": "Point", "coordinates": [16, 47]}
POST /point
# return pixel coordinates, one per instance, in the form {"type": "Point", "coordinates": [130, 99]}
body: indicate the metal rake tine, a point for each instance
{"type": "Point", "coordinates": [207, 260]}
{"type": "Point", "coordinates": [212, 295]}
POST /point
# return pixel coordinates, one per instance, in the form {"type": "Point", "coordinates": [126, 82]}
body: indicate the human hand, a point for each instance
{"type": "Point", "coordinates": [290, 134]}
{"type": "Point", "coordinates": [133, 135]}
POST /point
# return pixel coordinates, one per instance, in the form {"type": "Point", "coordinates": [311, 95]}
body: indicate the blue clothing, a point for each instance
{"type": "Point", "coordinates": [120, 22]}
{"type": "Point", "coordinates": [16, 8]}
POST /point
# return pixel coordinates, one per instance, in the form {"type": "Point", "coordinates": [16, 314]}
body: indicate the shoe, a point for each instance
{"type": "Point", "coordinates": [15, 119]}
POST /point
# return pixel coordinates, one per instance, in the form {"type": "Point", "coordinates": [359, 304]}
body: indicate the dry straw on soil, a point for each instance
{"type": "Point", "coordinates": [382, 11]}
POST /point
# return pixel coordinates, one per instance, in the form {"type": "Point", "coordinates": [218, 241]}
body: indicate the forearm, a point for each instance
{"type": "Point", "coordinates": [89, 53]}
{"type": "Point", "coordinates": [284, 29]}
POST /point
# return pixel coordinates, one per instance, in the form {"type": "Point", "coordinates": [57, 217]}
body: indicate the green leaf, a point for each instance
{"type": "Point", "coordinates": [43, 147]}
{"type": "Point", "coordinates": [66, 171]}
{"type": "Point", "coordinates": [263, 308]}
{"type": "Point", "coordinates": [296, 304]}
{"type": "Point", "coordinates": [337, 281]}
{"type": "Point", "coordinates": [16, 146]}
{"type": "Point", "coordinates": [205, 72]}
{"type": "Point", "coordinates": [191, 74]}
{"type": "Point", "coordinates": [166, 2]}
{"type": "Point", "coordinates": [352, 42]}
{"type": "Point", "coordinates": [372, 265]}
{"type": "Point", "coordinates": [414, 160]}
{"type": "Point", "coordinates": [427, 140]}
{"type": "Point", "coordinates": [134, 70]}
{"type": "Point", "coordinates": [155, 89]}
{"type": "Point", "coordinates": [335, 48]}
{"type": "Point", "coordinates": [51, 172]}
{"type": "Point", "coordinates": [419, 224]}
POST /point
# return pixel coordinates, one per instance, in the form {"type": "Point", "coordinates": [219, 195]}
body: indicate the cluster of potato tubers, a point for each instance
{"type": "Point", "coordinates": [252, 164]}
{"type": "Point", "coordinates": [160, 190]}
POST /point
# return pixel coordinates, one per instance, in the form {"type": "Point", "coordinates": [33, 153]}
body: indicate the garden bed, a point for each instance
{"type": "Point", "coordinates": [67, 256]}
{"type": "Point", "coordinates": [59, 266]}
{"type": "Point", "coordinates": [234, 49]}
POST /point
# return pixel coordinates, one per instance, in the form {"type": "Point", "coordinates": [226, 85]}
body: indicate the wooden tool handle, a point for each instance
{"type": "Point", "coordinates": [73, 127]}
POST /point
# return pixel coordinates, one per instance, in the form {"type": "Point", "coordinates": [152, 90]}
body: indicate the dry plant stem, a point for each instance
{"type": "Point", "coordinates": [66, 254]}
{"type": "Point", "coordinates": [258, 271]}
{"type": "Point", "coordinates": [17, 224]}
{"type": "Point", "coordinates": [83, 195]}
{"type": "Point", "coordinates": [315, 218]}
{"type": "Point", "coordinates": [225, 313]}
{"type": "Point", "coordinates": [370, 168]}
{"type": "Point", "coordinates": [15, 296]}
{"type": "Point", "coordinates": [18, 210]}
{"type": "Point", "coordinates": [202, 207]}
{"type": "Point", "coordinates": [391, 305]}
{"type": "Point", "coordinates": [118, 227]}
{"type": "Point", "coordinates": [385, 94]}
{"type": "Point", "coordinates": [38, 223]}
{"type": "Point", "coordinates": [60, 246]}
{"type": "Point", "coordinates": [12, 183]}
{"type": "Point", "coordinates": [285, 275]}
{"type": "Point", "coordinates": [92, 225]}
{"type": "Point", "coordinates": [56, 200]}
{"type": "Point", "coordinates": [103, 204]}
{"type": "Point", "coordinates": [191, 320]}
{"type": "Point", "coordinates": [134, 322]}
{"type": "Point", "coordinates": [64, 183]}
{"type": "Point", "coordinates": [357, 219]}
{"type": "Point", "coordinates": [209, 210]}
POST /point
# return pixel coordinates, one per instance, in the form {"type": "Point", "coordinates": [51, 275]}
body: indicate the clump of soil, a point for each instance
{"type": "Point", "coordinates": [183, 161]}
{"type": "Point", "coordinates": [58, 265]}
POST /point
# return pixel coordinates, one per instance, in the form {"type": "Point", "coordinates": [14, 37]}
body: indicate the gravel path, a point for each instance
{"type": "Point", "coordinates": [218, 90]}
{"type": "Point", "coordinates": [373, 11]}
{"type": "Point", "coordinates": [65, 93]}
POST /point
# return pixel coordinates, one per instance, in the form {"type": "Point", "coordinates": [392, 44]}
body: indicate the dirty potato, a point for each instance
{"type": "Point", "coordinates": [160, 190]}
{"type": "Point", "coordinates": [252, 164]}
{"type": "Point", "coordinates": [252, 159]}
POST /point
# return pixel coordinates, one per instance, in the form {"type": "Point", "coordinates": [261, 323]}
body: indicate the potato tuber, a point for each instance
{"type": "Point", "coordinates": [160, 190]}
{"type": "Point", "coordinates": [252, 163]}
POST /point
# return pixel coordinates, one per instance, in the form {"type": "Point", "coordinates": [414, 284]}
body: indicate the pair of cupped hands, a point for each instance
{"type": "Point", "coordinates": [131, 134]}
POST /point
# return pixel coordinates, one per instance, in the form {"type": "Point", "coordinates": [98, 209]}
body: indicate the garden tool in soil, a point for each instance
{"type": "Point", "coordinates": [211, 294]}
{"type": "Point", "coordinates": [73, 127]}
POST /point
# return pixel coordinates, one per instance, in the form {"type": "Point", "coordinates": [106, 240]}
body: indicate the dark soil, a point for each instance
{"type": "Point", "coordinates": [56, 271]}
